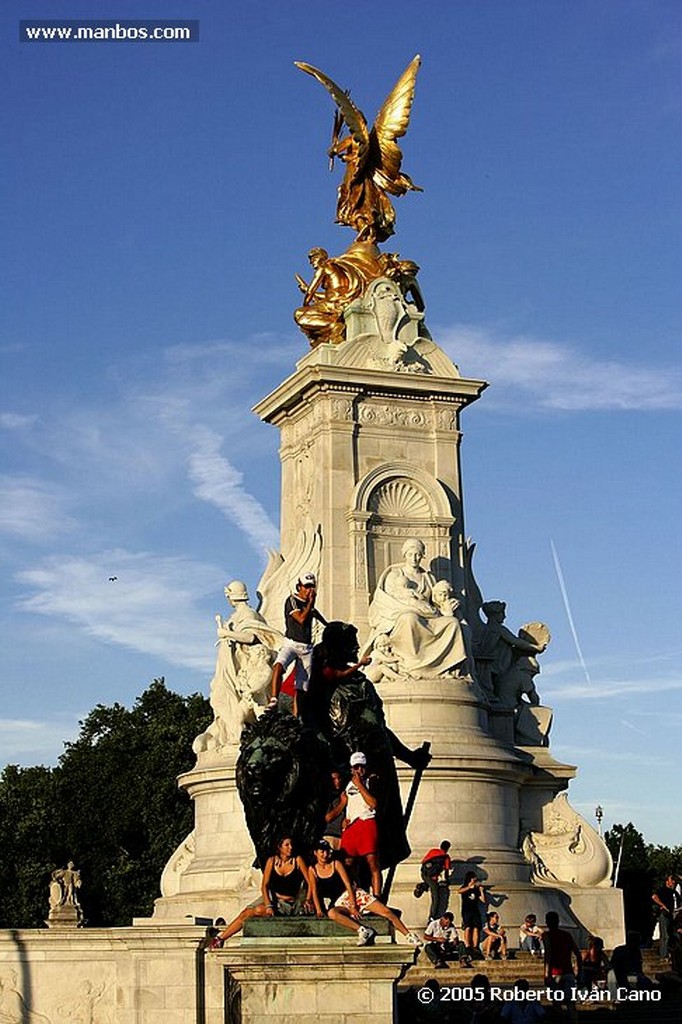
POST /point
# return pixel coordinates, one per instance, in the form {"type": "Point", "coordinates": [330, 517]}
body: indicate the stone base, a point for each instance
{"type": "Point", "coordinates": [163, 975]}
{"type": "Point", "coordinates": [318, 984]}
{"type": "Point", "coordinates": [286, 930]}
{"type": "Point", "coordinates": [67, 916]}
{"type": "Point", "coordinates": [211, 873]}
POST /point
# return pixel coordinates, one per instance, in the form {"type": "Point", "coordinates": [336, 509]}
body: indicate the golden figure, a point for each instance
{"type": "Point", "coordinates": [338, 280]}
{"type": "Point", "coordinates": [372, 156]}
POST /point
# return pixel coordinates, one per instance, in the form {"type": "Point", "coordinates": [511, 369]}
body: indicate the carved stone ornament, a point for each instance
{"type": "Point", "coordinates": [389, 327]}
{"type": "Point", "coordinates": [14, 1007]}
{"type": "Point", "coordinates": [567, 850]}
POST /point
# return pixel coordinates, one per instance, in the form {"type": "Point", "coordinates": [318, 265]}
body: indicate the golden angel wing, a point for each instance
{"type": "Point", "coordinates": [354, 118]}
{"type": "Point", "coordinates": [391, 124]}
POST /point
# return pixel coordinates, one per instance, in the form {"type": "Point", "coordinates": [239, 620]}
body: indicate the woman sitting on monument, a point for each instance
{"type": "Point", "coordinates": [329, 881]}
{"type": "Point", "coordinates": [426, 641]}
{"type": "Point", "coordinates": [284, 877]}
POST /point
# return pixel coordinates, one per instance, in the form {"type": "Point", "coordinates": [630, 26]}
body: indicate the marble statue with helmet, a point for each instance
{"type": "Point", "coordinates": [240, 685]}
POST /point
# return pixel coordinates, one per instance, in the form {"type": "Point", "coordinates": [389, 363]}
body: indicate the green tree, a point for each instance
{"type": "Point", "coordinates": [28, 826]}
{"type": "Point", "coordinates": [642, 869]}
{"type": "Point", "coordinates": [112, 805]}
{"type": "Point", "coordinates": [665, 861]}
{"type": "Point", "coordinates": [634, 849]}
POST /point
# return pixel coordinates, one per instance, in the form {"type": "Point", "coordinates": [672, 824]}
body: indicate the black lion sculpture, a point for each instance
{"type": "Point", "coordinates": [283, 769]}
{"type": "Point", "coordinates": [282, 775]}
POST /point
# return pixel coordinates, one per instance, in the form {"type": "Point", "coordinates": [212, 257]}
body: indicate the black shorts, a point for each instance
{"type": "Point", "coordinates": [471, 918]}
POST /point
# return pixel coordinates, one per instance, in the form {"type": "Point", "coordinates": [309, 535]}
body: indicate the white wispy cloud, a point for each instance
{"type": "Point", "coordinates": [186, 418]}
{"type": "Point", "coordinates": [553, 375]}
{"type": "Point", "coordinates": [16, 421]}
{"type": "Point", "coordinates": [217, 481]}
{"type": "Point", "coordinates": [608, 688]}
{"type": "Point", "coordinates": [152, 607]}
{"type": "Point", "coordinates": [608, 753]}
{"type": "Point", "coordinates": [32, 741]}
{"type": "Point", "coordinates": [33, 509]}
{"type": "Point", "coordinates": [629, 725]}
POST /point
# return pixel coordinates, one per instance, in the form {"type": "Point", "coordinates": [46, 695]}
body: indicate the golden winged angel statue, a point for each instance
{"type": "Point", "coordinates": [372, 156]}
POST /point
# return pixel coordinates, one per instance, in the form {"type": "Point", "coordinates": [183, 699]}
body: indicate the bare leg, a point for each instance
{"type": "Point", "coordinates": [238, 923]}
{"type": "Point", "coordinates": [378, 908]}
{"type": "Point", "coordinates": [342, 917]}
{"type": "Point", "coordinates": [373, 865]}
{"type": "Point", "coordinates": [276, 680]}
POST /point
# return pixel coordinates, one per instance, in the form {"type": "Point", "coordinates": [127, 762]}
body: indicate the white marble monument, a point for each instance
{"type": "Point", "coordinates": [372, 504]}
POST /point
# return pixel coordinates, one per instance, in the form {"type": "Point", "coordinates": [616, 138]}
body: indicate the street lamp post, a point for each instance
{"type": "Point", "coordinates": [599, 814]}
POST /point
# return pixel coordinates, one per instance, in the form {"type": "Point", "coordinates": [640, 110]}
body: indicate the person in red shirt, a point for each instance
{"type": "Point", "coordinates": [435, 872]}
{"type": "Point", "coordinates": [560, 949]}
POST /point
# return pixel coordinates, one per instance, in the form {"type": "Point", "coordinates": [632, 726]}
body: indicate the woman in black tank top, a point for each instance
{"type": "Point", "coordinates": [283, 877]}
{"type": "Point", "coordinates": [328, 880]}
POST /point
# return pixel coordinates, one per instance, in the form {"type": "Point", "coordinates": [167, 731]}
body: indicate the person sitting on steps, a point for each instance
{"type": "Point", "coordinates": [494, 943]}
{"type": "Point", "coordinates": [443, 942]}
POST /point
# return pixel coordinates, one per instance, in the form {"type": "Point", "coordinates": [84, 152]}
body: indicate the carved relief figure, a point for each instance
{"type": "Point", "coordinates": [385, 662]}
{"type": "Point", "coordinates": [517, 685]}
{"type": "Point", "coordinates": [13, 1008]}
{"type": "Point", "coordinates": [86, 1007]}
{"type": "Point", "coordinates": [372, 156]}
{"type": "Point", "coordinates": [427, 642]}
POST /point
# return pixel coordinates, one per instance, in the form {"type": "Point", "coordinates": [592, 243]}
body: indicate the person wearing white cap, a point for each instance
{"type": "Point", "coordinates": [328, 882]}
{"type": "Point", "coordinates": [361, 838]}
{"type": "Point", "coordinates": [299, 614]}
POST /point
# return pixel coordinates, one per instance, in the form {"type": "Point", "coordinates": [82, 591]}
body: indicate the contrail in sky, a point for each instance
{"type": "Point", "coordinates": [562, 585]}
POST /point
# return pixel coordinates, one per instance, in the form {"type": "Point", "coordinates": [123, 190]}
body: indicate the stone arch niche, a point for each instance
{"type": "Point", "coordinates": [392, 503]}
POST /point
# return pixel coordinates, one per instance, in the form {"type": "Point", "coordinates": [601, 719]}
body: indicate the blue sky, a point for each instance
{"type": "Point", "coordinates": [157, 200]}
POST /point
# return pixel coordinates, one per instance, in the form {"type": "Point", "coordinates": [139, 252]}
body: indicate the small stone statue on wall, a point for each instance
{"type": "Point", "coordinates": [65, 908]}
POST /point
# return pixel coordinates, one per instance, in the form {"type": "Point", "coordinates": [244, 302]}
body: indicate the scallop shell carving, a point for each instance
{"type": "Point", "coordinates": [399, 498]}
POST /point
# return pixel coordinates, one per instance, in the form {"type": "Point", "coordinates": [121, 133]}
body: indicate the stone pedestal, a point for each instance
{"type": "Point", "coordinates": [65, 916]}
{"type": "Point", "coordinates": [315, 984]}
{"type": "Point", "coordinates": [481, 793]}
{"type": "Point", "coordinates": [370, 458]}
{"type": "Point", "coordinates": [211, 873]}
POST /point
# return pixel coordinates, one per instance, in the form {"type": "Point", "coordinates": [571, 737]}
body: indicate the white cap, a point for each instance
{"type": "Point", "coordinates": [357, 758]}
{"type": "Point", "coordinates": [308, 580]}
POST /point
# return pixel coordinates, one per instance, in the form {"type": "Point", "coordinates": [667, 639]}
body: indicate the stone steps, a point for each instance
{"type": "Point", "coordinates": [502, 972]}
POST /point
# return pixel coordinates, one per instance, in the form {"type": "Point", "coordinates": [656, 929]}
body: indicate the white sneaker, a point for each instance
{"type": "Point", "coordinates": [413, 939]}
{"type": "Point", "coordinates": [365, 935]}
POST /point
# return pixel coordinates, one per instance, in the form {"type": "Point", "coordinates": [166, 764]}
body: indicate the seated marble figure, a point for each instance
{"type": "Point", "coordinates": [426, 636]}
